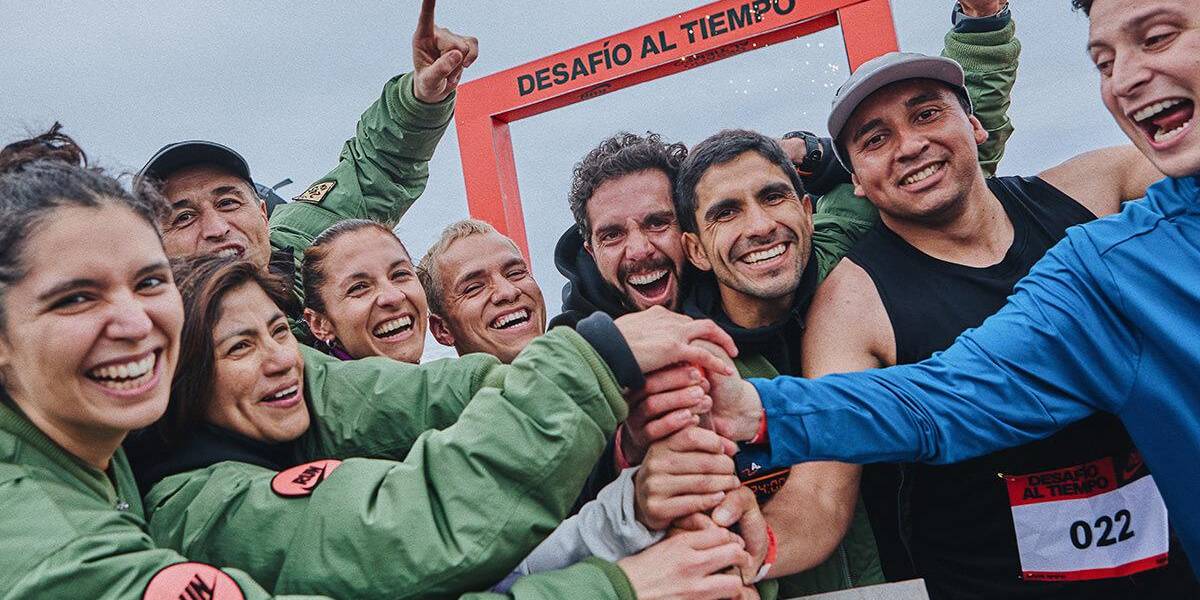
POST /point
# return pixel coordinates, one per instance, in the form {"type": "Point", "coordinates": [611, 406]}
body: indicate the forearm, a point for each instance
{"type": "Point", "coordinates": [1057, 351]}
{"type": "Point", "coordinates": [990, 60]}
{"type": "Point", "coordinates": [377, 407]}
{"type": "Point", "coordinates": [379, 175]}
{"type": "Point", "coordinates": [811, 514]}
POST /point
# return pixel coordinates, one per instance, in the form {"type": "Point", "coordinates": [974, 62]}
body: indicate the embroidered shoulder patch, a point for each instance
{"type": "Point", "coordinates": [192, 580]}
{"type": "Point", "coordinates": [316, 192]}
{"type": "Point", "coordinates": [301, 480]}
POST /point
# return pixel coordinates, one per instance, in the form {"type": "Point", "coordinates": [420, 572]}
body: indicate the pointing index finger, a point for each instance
{"type": "Point", "coordinates": [425, 26]}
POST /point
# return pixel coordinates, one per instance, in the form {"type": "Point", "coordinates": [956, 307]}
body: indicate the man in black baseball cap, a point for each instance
{"type": "Point", "coordinates": [232, 221]}
{"type": "Point", "coordinates": [214, 207]}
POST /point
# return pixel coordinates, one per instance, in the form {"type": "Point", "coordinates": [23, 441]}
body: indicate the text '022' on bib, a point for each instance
{"type": "Point", "coordinates": [1096, 520]}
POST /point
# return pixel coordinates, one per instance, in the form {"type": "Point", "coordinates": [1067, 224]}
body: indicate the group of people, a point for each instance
{"type": "Point", "coordinates": [205, 398]}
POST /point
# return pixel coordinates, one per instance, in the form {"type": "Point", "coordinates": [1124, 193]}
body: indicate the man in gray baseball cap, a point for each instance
{"type": "Point", "coordinates": [950, 246]}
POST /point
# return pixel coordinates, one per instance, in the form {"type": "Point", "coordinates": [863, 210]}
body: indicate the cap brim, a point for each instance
{"type": "Point", "coordinates": [174, 157]}
{"type": "Point", "coordinates": [925, 67]}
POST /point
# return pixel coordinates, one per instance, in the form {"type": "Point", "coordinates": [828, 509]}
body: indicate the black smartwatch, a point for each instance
{"type": "Point", "coordinates": [812, 152]}
{"type": "Point", "coordinates": [965, 24]}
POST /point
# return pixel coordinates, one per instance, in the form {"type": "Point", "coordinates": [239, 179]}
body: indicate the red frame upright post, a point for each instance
{"type": "Point", "coordinates": [705, 34]}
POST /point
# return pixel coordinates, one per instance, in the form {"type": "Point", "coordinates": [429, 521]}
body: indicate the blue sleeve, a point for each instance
{"type": "Point", "coordinates": [1058, 351]}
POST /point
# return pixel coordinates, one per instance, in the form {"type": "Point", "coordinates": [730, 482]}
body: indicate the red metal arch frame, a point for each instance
{"type": "Point", "coordinates": [699, 36]}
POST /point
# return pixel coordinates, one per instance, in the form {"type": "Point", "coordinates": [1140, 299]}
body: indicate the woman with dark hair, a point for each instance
{"type": "Point", "coordinates": [361, 293]}
{"type": "Point", "coordinates": [265, 474]}
{"type": "Point", "coordinates": [89, 337]}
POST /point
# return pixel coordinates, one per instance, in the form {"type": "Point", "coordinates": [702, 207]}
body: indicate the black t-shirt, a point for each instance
{"type": "Point", "coordinates": [953, 524]}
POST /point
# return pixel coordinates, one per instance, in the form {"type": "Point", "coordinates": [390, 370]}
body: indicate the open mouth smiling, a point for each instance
{"type": "Point", "coordinates": [650, 284]}
{"type": "Point", "coordinates": [230, 251]}
{"type": "Point", "coordinates": [1164, 121]}
{"type": "Point", "coordinates": [283, 398]}
{"type": "Point", "coordinates": [510, 320]}
{"type": "Point", "coordinates": [393, 327]}
{"type": "Point", "coordinates": [762, 256]}
{"type": "Point", "coordinates": [127, 375]}
{"type": "Point", "coordinates": [922, 174]}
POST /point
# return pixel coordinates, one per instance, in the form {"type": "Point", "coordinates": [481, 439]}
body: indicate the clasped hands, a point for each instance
{"type": "Point", "coordinates": [687, 483]}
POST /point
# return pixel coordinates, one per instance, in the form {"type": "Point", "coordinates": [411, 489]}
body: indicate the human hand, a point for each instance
{"type": "Point", "coordinates": [739, 507]}
{"type": "Point", "coordinates": [981, 8]}
{"type": "Point", "coordinates": [795, 148]}
{"type": "Point", "coordinates": [691, 565]}
{"type": "Point", "coordinates": [669, 402]}
{"type": "Point", "coordinates": [439, 57]}
{"type": "Point", "coordinates": [689, 472]}
{"type": "Point", "coordinates": [658, 338]}
{"type": "Point", "coordinates": [736, 407]}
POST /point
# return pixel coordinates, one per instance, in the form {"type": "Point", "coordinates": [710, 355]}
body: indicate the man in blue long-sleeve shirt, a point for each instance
{"type": "Point", "coordinates": [1108, 320]}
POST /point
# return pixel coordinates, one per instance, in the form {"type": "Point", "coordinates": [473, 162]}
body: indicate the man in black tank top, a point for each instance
{"type": "Point", "coordinates": [949, 248]}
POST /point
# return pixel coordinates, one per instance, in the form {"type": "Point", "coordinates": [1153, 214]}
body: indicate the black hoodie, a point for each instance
{"type": "Point", "coordinates": [779, 342]}
{"type": "Point", "coordinates": [585, 291]}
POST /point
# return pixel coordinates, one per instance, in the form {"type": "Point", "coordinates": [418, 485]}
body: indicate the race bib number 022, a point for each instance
{"type": "Point", "coordinates": [1092, 521]}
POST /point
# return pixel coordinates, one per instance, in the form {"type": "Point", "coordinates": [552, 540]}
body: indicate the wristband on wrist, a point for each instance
{"type": "Point", "coordinates": [760, 436]}
{"type": "Point", "coordinates": [772, 551]}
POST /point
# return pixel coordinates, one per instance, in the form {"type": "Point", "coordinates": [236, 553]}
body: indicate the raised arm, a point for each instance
{"type": "Point", "coordinates": [383, 169]}
{"type": "Point", "coordinates": [984, 42]}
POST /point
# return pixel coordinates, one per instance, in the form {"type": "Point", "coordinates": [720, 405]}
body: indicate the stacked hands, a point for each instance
{"type": "Point", "coordinates": [717, 538]}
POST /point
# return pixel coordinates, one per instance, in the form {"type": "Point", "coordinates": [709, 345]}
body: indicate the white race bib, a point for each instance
{"type": "Point", "coordinates": [1092, 521]}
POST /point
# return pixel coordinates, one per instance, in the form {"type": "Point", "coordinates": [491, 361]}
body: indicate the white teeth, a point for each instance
{"type": "Point", "coordinates": [647, 277]}
{"type": "Point", "coordinates": [1162, 136]}
{"type": "Point", "coordinates": [389, 326]}
{"type": "Point", "coordinates": [1154, 109]}
{"type": "Point", "coordinates": [762, 255]}
{"type": "Point", "coordinates": [228, 252]}
{"type": "Point", "coordinates": [283, 393]}
{"type": "Point", "coordinates": [922, 174]}
{"type": "Point", "coordinates": [509, 318]}
{"type": "Point", "coordinates": [126, 376]}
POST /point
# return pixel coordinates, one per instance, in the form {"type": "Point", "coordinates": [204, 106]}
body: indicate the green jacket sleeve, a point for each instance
{"type": "Point", "coordinates": [465, 506]}
{"type": "Point", "coordinates": [990, 61]}
{"type": "Point", "coordinates": [591, 579]}
{"type": "Point", "coordinates": [376, 407]}
{"type": "Point", "coordinates": [380, 172]}
{"type": "Point", "coordinates": [61, 543]}
{"type": "Point", "coordinates": [841, 219]}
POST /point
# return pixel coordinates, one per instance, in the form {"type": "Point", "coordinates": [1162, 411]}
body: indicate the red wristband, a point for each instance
{"type": "Point", "coordinates": [760, 437]}
{"type": "Point", "coordinates": [769, 561]}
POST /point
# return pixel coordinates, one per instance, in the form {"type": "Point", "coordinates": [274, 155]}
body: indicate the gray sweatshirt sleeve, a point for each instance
{"type": "Point", "coordinates": [604, 528]}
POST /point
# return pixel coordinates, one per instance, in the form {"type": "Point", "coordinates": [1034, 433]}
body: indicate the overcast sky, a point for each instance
{"type": "Point", "coordinates": [285, 82]}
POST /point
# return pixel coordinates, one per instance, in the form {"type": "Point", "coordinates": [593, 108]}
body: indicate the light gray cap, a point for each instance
{"type": "Point", "coordinates": [882, 71]}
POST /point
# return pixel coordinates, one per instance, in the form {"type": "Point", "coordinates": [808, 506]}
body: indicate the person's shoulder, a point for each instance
{"type": "Point", "coordinates": [847, 282]}
{"type": "Point", "coordinates": [848, 302]}
{"type": "Point", "coordinates": [31, 495]}
{"type": "Point", "coordinates": [1139, 219]}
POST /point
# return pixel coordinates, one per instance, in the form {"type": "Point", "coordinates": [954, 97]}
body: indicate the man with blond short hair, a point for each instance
{"type": "Point", "coordinates": [482, 295]}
